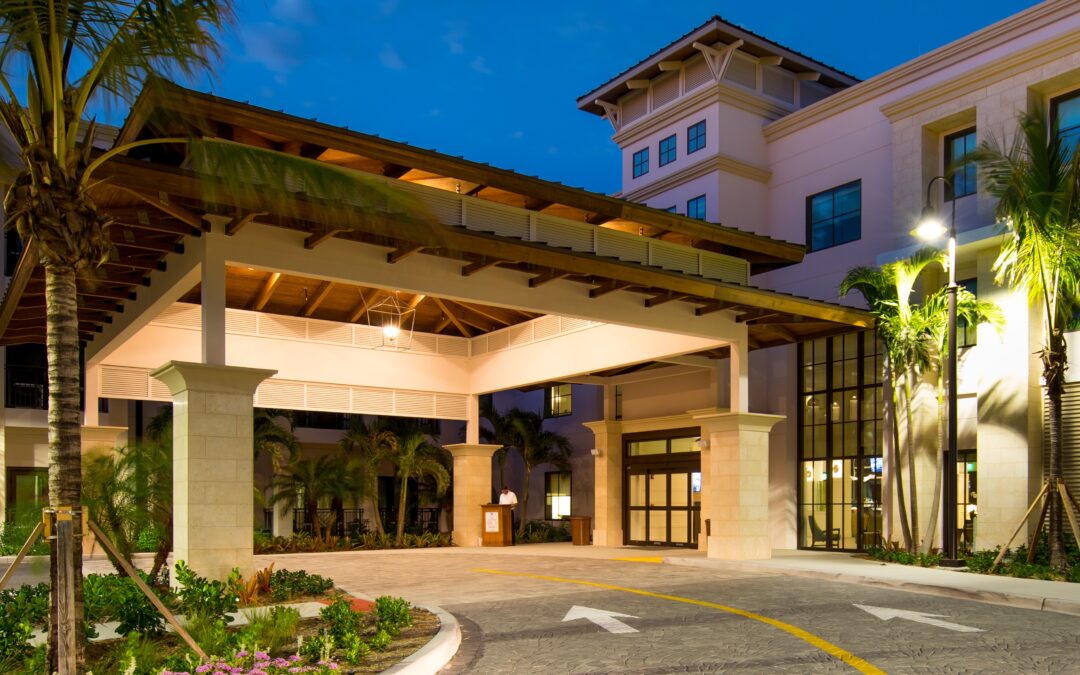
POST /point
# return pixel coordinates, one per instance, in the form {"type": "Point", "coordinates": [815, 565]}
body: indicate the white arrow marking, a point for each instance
{"type": "Point", "coordinates": [885, 613]}
{"type": "Point", "coordinates": [602, 618]}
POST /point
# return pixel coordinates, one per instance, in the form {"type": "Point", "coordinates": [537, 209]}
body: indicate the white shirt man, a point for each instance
{"type": "Point", "coordinates": [508, 497]}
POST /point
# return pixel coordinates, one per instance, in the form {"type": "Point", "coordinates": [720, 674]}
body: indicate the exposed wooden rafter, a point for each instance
{"type": "Point", "coordinates": [661, 299]}
{"type": "Point", "coordinates": [319, 236]}
{"type": "Point", "coordinates": [547, 277]}
{"type": "Point", "coordinates": [402, 252]}
{"type": "Point", "coordinates": [267, 290]}
{"type": "Point", "coordinates": [317, 299]}
{"type": "Point", "coordinates": [364, 303]}
{"type": "Point", "coordinates": [416, 300]}
{"type": "Point", "coordinates": [784, 333]}
{"type": "Point", "coordinates": [453, 318]}
{"type": "Point", "coordinates": [237, 222]}
{"type": "Point", "coordinates": [478, 266]}
{"type": "Point", "coordinates": [600, 291]}
{"type": "Point", "coordinates": [162, 203]}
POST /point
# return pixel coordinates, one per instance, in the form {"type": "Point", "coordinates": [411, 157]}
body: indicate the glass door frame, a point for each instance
{"type": "Point", "coordinates": [665, 464]}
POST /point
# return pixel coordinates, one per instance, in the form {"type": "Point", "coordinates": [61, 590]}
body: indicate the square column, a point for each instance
{"type": "Point", "coordinates": [213, 464]}
{"type": "Point", "coordinates": [736, 495]}
{"type": "Point", "coordinates": [607, 482]}
{"type": "Point", "coordinates": [472, 488]}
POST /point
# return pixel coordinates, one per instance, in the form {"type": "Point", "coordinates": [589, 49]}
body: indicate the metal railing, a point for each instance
{"type": "Point", "coordinates": [26, 387]}
{"type": "Point", "coordinates": [341, 522]}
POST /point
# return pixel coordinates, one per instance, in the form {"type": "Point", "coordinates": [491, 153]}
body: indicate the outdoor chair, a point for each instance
{"type": "Point", "coordinates": [818, 535]}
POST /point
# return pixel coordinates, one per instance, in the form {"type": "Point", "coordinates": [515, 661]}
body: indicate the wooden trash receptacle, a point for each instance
{"type": "Point", "coordinates": [580, 530]}
{"type": "Point", "coordinates": [496, 525]}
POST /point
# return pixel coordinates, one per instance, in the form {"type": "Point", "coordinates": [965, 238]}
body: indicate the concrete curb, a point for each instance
{"type": "Point", "coordinates": [439, 650]}
{"type": "Point", "coordinates": [1018, 600]}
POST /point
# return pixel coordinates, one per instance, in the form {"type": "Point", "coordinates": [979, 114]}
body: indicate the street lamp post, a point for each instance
{"type": "Point", "coordinates": [931, 227]}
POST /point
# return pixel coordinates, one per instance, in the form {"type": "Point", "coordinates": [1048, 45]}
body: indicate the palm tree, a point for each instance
{"type": "Point", "coordinates": [366, 447]}
{"type": "Point", "coordinates": [416, 457]}
{"type": "Point", "coordinates": [273, 434]}
{"type": "Point", "coordinates": [537, 447]}
{"type": "Point", "coordinates": [973, 312]}
{"type": "Point", "coordinates": [78, 54]}
{"type": "Point", "coordinates": [1037, 183]}
{"type": "Point", "coordinates": [307, 481]}
{"type": "Point", "coordinates": [501, 433]}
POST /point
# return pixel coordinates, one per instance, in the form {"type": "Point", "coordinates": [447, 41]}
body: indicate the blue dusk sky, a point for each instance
{"type": "Point", "coordinates": [497, 81]}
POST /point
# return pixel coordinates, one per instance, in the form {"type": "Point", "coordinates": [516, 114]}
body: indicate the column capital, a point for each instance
{"type": "Point", "coordinates": [604, 426]}
{"type": "Point", "coordinates": [471, 449]}
{"type": "Point", "coordinates": [180, 376]}
{"type": "Point", "coordinates": [715, 420]}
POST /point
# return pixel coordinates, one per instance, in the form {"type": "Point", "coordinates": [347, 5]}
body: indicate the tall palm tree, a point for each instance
{"type": "Point", "coordinates": [537, 446]}
{"type": "Point", "coordinates": [308, 481]}
{"type": "Point", "coordinates": [366, 447]}
{"type": "Point", "coordinates": [501, 433]}
{"type": "Point", "coordinates": [417, 458]}
{"type": "Point", "coordinates": [77, 54]}
{"type": "Point", "coordinates": [1037, 183]}
{"type": "Point", "coordinates": [973, 312]}
{"type": "Point", "coordinates": [273, 435]}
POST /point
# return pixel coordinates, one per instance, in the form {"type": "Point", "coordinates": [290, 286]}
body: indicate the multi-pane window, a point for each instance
{"type": "Point", "coordinates": [667, 150]}
{"type": "Point", "coordinates": [1065, 118]}
{"type": "Point", "coordinates": [641, 162]}
{"type": "Point", "coordinates": [967, 335]}
{"type": "Point", "coordinates": [959, 166]}
{"type": "Point", "coordinates": [556, 495]}
{"type": "Point", "coordinates": [695, 208]}
{"type": "Point", "coordinates": [840, 440]}
{"type": "Point", "coordinates": [559, 399]}
{"type": "Point", "coordinates": [695, 137]}
{"type": "Point", "coordinates": [834, 217]}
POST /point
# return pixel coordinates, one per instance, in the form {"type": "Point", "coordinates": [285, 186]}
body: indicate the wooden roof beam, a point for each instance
{"type": "Point", "coordinates": [162, 203]}
{"type": "Point", "coordinates": [784, 333]}
{"type": "Point", "coordinates": [237, 222]}
{"type": "Point", "coordinates": [453, 318]}
{"type": "Point", "coordinates": [391, 170]}
{"type": "Point", "coordinates": [24, 270]}
{"type": "Point", "coordinates": [125, 236]}
{"type": "Point", "coordinates": [416, 300]}
{"type": "Point", "coordinates": [488, 312]}
{"type": "Point", "coordinates": [536, 204]}
{"type": "Point", "coordinates": [364, 303]}
{"type": "Point", "coordinates": [753, 315]}
{"type": "Point", "coordinates": [476, 190]}
{"type": "Point", "coordinates": [317, 299]}
{"type": "Point", "coordinates": [548, 277]}
{"type": "Point", "coordinates": [403, 252]}
{"type": "Point", "coordinates": [320, 236]}
{"type": "Point", "coordinates": [600, 291]}
{"type": "Point", "coordinates": [140, 219]}
{"type": "Point", "coordinates": [441, 326]}
{"type": "Point", "coordinates": [661, 299]}
{"type": "Point", "coordinates": [598, 218]}
{"type": "Point", "coordinates": [703, 310]}
{"type": "Point", "coordinates": [133, 263]}
{"type": "Point", "coordinates": [266, 291]}
{"type": "Point", "coordinates": [478, 266]}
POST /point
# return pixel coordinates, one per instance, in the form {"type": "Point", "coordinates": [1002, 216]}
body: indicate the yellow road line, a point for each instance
{"type": "Point", "coordinates": [824, 645]}
{"type": "Point", "coordinates": [654, 559]}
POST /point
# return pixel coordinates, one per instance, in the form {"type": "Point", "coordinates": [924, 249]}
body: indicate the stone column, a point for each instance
{"type": "Point", "coordinates": [472, 488]}
{"type": "Point", "coordinates": [737, 491]}
{"type": "Point", "coordinates": [607, 482]}
{"type": "Point", "coordinates": [213, 464]}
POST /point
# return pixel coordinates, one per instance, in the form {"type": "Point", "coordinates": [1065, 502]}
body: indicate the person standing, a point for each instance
{"type": "Point", "coordinates": [507, 496]}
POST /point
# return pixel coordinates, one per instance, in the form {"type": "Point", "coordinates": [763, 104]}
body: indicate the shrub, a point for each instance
{"type": "Point", "coordinates": [112, 597]}
{"type": "Point", "coordinates": [14, 532]}
{"type": "Point", "coordinates": [392, 614]}
{"type": "Point", "coordinates": [539, 532]}
{"type": "Point", "coordinates": [286, 585]}
{"type": "Point", "coordinates": [21, 610]}
{"type": "Point", "coordinates": [202, 598]}
{"type": "Point", "coordinates": [342, 620]}
{"type": "Point", "coordinates": [355, 649]}
{"type": "Point", "coordinates": [318, 647]}
{"type": "Point", "coordinates": [381, 640]}
{"type": "Point", "coordinates": [273, 628]}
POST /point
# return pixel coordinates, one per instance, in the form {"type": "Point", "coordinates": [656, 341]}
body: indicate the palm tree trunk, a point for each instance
{"type": "Point", "coordinates": [524, 500]}
{"type": "Point", "coordinates": [65, 443]}
{"type": "Point", "coordinates": [161, 556]}
{"type": "Point", "coordinates": [931, 527]}
{"type": "Point", "coordinates": [401, 511]}
{"type": "Point", "coordinates": [1054, 360]}
{"type": "Point", "coordinates": [910, 428]}
{"type": "Point", "coordinates": [376, 516]}
{"type": "Point", "coordinates": [889, 390]}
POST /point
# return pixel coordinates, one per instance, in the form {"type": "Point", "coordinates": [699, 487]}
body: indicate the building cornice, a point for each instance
{"type": "Point", "coordinates": [992, 36]}
{"type": "Point", "coordinates": [980, 78]}
{"type": "Point", "coordinates": [724, 163]}
{"type": "Point", "coordinates": [717, 92]}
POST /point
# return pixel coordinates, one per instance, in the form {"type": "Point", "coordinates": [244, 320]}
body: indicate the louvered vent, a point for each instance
{"type": "Point", "coordinates": [725, 268]}
{"type": "Point", "coordinates": [452, 346]}
{"type": "Point", "coordinates": [372, 401]}
{"type": "Point", "coordinates": [158, 390]}
{"type": "Point", "coordinates": [520, 334]}
{"type": "Point", "coordinates": [282, 326]}
{"type": "Point", "coordinates": [1070, 437]}
{"type": "Point", "coordinates": [665, 90]}
{"type": "Point", "coordinates": [498, 340]}
{"type": "Point", "coordinates": [328, 397]}
{"type": "Point", "coordinates": [280, 394]}
{"type": "Point", "coordinates": [487, 217]}
{"type": "Point", "coordinates": [480, 345]}
{"type": "Point", "coordinates": [674, 258]}
{"type": "Point", "coordinates": [545, 327]}
{"type": "Point", "coordinates": [451, 406]}
{"type": "Point", "coordinates": [564, 234]}
{"type": "Point", "coordinates": [328, 331]}
{"type": "Point", "coordinates": [414, 404]}
{"type": "Point", "coordinates": [778, 83]}
{"type": "Point", "coordinates": [367, 336]}
{"type": "Point", "coordinates": [571, 324]}
{"type": "Point", "coordinates": [634, 106]}
{"type": "Point", "coordinates": [119, 382]}
{"type": "Point", "coordinates": [181, 314]}
{"type": "Point", "coordinates": [697, 73]}
{"type": "Point", "coordinates": [614, 244]}
{"type": "Point", "coordinates": [238, 321]}
{"type": "Point", "coordinates": [742, 70]}
{"type": "Point", "coordinates": [423, 343]}
{"type": "Point", "coordinates": [445, 206]}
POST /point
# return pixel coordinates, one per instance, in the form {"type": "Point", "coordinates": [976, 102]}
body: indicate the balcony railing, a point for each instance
{"type": "Point", "coordinates": [26, 387]}
{"type": "Point", "coordinates": [341, 522]}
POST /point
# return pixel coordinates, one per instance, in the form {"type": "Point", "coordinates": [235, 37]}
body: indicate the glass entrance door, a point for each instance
{"type": "Point", "coordinates": [27, 492]}
{"type": "Point", "coordinates": [662, 506]}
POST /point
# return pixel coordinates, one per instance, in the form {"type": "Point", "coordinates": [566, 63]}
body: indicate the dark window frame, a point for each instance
{"type": "Point", "coordinates": [696, 137]}
{"type": "Point", "coordinates": [691, 203]}
{"type": "Point", "coordinates": [549, 400]}
{"type": "Point", "coordinates": [967, 336]}
{"type": "Point", "coordinates": [955, 189]}
{"type": "Point", "coordinates": [810, 223]}
{"type": "Point", "coordinates": [548, 493]}
{"type": "Point", "coordinates": [1055, 104]}
{"type": "Point", "coordinates": [669, 154]}
{"type": "Point", "coordinates": [641, 162]}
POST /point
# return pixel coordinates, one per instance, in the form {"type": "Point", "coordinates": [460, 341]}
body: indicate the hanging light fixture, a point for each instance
{"type": "Point", "coordinates": [395, 320]}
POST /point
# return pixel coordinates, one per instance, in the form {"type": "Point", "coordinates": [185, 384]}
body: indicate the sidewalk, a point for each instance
{"type": "Point", "coordinates": [1051, 596]}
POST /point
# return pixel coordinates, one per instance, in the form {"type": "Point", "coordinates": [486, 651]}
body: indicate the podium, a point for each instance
{"type": "Point", "coordinates": [496, 525]}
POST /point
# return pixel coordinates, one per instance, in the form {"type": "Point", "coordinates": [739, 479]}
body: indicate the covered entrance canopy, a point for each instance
{"type": "Point", "coordinates": [516, 281]}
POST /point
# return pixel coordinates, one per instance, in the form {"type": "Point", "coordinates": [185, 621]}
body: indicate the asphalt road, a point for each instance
{"type": "Point", "coordinates": [518, 615]}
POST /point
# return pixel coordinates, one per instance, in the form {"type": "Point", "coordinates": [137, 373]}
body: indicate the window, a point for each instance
{"type": "Point", "coordinates": [967, 335]}
{"type": "Point", "coordinates": [1065, 119]}
{"type": "Point", "coordinates": [556, 495]}
{"type": "Point", "coordinates": [487, 401]}
{"type": "Point", "coordinates": [695, 137]}
{"type": "Point", "coordinates": [695, 208]}
{"type": "Point", "coordinates": [559, 398]}
{"type": "Point", "coordinates": [618, 401]}
{"type": "Point", "coordinates": [667, 150]}
{"type": "Point", "coordinates": [641, 162]}
{"type": "Point", "coordinates": [958, 168]}
{"type": "Point", "coordinates": [12, 250]}
{"type": "Point", "coordinates": [670, 209]}
{"type": "Point", "coordinates": [840, 441]}
{"type": "Point", "coordinates": [834, 217]}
